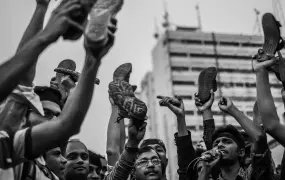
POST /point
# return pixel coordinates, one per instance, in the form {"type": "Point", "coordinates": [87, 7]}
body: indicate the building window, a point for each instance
{"type": "Point", "coordinates": [177, 54]}
{"type": "Point", "coordinates": [185, 97]}
{"type": "Point", "coordinates": [189, 112]}
{"type": "Point", "coordinates": [228, 43]}
{"type": "Point", "coordinates": [179, 68]}
{"type": "Point", "coordinates": [183, 83]}
{"type": "Point", "coordinates": [251, 45]}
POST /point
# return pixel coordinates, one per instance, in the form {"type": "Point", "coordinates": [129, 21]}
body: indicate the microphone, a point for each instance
{"type": "Point", "coordinates": [210, 157]}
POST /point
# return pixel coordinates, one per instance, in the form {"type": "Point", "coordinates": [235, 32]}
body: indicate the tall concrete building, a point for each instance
{"type": "Point", "coordinates": [178, 58]}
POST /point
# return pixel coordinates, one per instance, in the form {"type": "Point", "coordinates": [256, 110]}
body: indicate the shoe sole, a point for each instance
{"type": "Point", "coordinates": [123, 72]}
{"type": "Point", "coordinates": [206, 82]}
{"type": "Point", "coordinates": [271, 35]}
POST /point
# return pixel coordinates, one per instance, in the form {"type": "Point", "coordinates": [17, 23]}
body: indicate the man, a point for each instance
{"type": "Point", "coordinates": [160, 148]}
{"type": "Point", "coordinates": [98, 166]}
{"type": "Point", "coordinates": [229, 151]}
{"type": "Point", "coordinates": [77, 166]}
{"type": "Point", "coordinates": [55, 162]}
{"type": "Point", "coordinates": [148, 165]}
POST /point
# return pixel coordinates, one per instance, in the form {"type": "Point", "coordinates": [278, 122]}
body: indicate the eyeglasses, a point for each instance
{"type": "Point", "coordinates": [145, 162]}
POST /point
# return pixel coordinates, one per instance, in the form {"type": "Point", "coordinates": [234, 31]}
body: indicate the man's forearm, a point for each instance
{"type": "Point", "coordinates": [13, 69]}
{"type": "Point", "coordinates": [113, 138]}
{"type": "Point", "coordinates": [265, 100]}
{"type": "Point", "coordinates": [34, 27]}
{"type": "Point", "coordinates": [181, 126]}
{"type": "Point", "coordinates": [72, 116]}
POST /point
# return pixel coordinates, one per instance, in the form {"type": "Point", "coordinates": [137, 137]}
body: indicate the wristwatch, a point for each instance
{"type": "Point", "coordinates": [131, 149]}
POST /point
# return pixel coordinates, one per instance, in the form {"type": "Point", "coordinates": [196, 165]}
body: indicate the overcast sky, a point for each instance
{"type": "Point", "coordinates": [134, 42]}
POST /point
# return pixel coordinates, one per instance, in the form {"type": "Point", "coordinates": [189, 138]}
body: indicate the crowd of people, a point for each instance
{"type": "Point", "coordinates": [37, 122]}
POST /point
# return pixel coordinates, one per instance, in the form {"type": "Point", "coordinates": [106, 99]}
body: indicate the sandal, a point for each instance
{"type": "Point", "coordinates": [206, 82]}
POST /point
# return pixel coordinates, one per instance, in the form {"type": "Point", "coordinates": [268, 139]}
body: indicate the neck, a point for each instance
{"type": "Point", "coordinates": [230, 171]}
{"type": "Point", "coordinates": [163, 177]}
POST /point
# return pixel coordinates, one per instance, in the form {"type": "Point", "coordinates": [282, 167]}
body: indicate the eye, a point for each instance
{"type": "Point", "coordinates": [159, 149]}
{"type": "Point", "coordinates": [85, 157]}
{"type": "Point", "coordinates": [155, 161]}
{"type": "Point", "coordinates": [71, 157]}
{"type": "Point", "coordinates": [142, 163]}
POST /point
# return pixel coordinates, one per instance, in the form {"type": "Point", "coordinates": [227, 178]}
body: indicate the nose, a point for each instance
{"type": "Point", "coordinates": [79, 160]}
{"type": "Point", "coordinates": [221, 145]}
{"type": "Point", "coordinates": [62, 160]}
{"type": "Point", "coordinates": [150, 164]}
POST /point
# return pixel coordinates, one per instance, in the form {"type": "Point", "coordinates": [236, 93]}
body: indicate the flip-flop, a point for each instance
{"type": "Point", "coordinates": [206, 83]}
{"type": "Point", "coordinates": [271, 36]}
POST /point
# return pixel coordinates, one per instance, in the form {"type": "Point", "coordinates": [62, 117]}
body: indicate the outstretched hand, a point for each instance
{"type": "Point", "coordinates": [207, 105]}
{"type": "Point", "coordinates": [60, 20]}
{"type": "Point", "coordinates": [178, 110]}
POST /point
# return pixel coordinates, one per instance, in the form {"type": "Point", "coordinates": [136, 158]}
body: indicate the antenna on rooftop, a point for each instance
{"type": "Point", "coordinates": [199, 17]}
{"type": "Point", "coordinates": [257, 24]}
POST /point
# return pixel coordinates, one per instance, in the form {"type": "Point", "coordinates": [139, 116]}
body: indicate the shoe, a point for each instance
{"type": "Point", "coordinates": [123, 72]}
{"type": "Point", "coordinates": [174, 101]}
{"type": "Point", "coordinates": [271, 36]}
{"type": "Point", "coordinates": [100, 17]}
{"type": "Point", "coordinates": [206, 82]}
{"type": "Point", "coordinates": [129, 106]}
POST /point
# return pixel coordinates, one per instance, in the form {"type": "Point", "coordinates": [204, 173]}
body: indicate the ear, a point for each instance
{"type": "Point", "coordinates": [242, 153]}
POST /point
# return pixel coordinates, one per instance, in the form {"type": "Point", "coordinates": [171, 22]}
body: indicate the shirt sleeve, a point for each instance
{"type": "Point", "coordinates": [209, 128]}
{"type": "Point", "coordinates": [262, 162]}
{"type": "Point", "coordinates": [121, 170]}
{"type": "Point", "coordinates": [12, 148]}
{"type": "Point", "coordinates": [185, 152]}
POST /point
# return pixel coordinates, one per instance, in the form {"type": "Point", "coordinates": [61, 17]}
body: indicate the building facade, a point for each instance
{"type": "Point", "coordinates": [178, 58]}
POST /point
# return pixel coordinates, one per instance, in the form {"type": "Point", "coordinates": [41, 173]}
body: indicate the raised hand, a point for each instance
{"type": "Point", "coordinates": [208, 164]}
{"type": "Point", "coordinates": [136, 134]}
{"type": "Point", "coordinates": [60, 20]}
{"type": "Point", "coordinates": [225, 104]}
{"type": "Point", "coordinates": [98, 51]}
{"type": "Point", "coordinates": [176, 105]}
{"type": "Point", "coordinates": [207, 105]}
{"type": "Point", "coordinates": [257, 66]}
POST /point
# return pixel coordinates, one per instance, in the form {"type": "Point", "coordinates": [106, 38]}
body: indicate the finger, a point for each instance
{"type": "Point", "coordinates": [212, 95]}
{"type": "Point", "coordinates": [171, 107]}
{"type": "Point", "coordinates": [143, 126]}
{"type": "Point", "coordinates": [69, 9]}
{"type": "Point", "coordinates": [270, 62]}
{"type": "Point", "coordinates": [112, 29]}
{"type": "Point", "coordinates": [196, 94]}
{"type": "Point", "coordinates": [114, 21]}
{"type": "Point", "coordinates": [76, 25]}
{"type": "Point", "coordinates": [160, 97]}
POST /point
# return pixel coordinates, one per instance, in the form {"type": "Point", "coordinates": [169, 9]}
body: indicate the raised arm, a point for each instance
{"type": "Point", "coordinates": [126, 162]}
{"type": "Point", "coordinates": [265, 101]}
{"type": "Point", "coordinates": [113, 136]}
{"type": "Point", "coordinates": [208, 120]}
{"type": "Point", "coordinates": [253, 130]}
{"type": "Point", "coordinates": [34, 27]}
{"type": "Point", "coordinates": [47, 135]}
{"type": "Point", "coordinates": [183, 141]}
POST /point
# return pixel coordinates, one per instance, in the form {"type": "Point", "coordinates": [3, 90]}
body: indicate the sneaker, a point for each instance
{"type": "Point", "coordinates": [271, 37]}
{"type": "Point", "coordinates": [123, 72]}
{"type": "Point", "coordinates": [206, 82]}
{"type": "Point", "coordinates": [100, 17]}
{"type": "Point", "coordinates": [129, 106]}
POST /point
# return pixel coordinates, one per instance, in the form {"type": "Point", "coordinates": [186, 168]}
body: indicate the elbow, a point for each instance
{"type": "Point", "coordinates": [112, 152]}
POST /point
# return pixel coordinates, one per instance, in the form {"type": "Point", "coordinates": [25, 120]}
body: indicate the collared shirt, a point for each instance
{"type": "Point", "coordinates": [242, 175]}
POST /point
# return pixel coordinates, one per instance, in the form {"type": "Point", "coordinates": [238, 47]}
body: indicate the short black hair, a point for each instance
{"type": "Point", "coordinates": [151, 141]}
{"type": "Point", "coordinates": [230, 129]}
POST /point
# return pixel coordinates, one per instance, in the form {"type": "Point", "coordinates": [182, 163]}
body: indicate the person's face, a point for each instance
{"type": "Point", "coordinates": [160, 151]}
{"type": "Point", "coordinates": [56, 162]}
{"type": "Point", "coordinates": [77, 160]}
{"type": "Point", "coordinates": [51, 109]}
{"type": "Point", "coordinates": [94, 173]}
{"type": "Point", "coordinates": [148, 166]}
{"type": "Point", "coordinates": [228, 148]}
{"type": "Point", "coordinates": [103, 169]}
